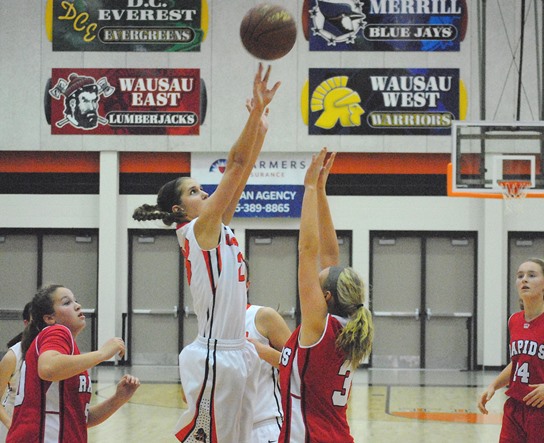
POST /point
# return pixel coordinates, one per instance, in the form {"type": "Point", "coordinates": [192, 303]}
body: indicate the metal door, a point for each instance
{"type": "Point", "coordinates": [154, 297]}
{"type": "Point", "coordinates": [18, 274]}
{"type": "Point", "coordinates": [423, 299]}
{"type": "Point", "coordinates": [72, 261]}
{"type": "Point", "coordinates": [396, 301]}
{"type": "Point", "coordinates": [449, 302]}
{"type": "Point", "coordinates": [272, 259]}
{"type": "Point", "coordinates": [273, 263]}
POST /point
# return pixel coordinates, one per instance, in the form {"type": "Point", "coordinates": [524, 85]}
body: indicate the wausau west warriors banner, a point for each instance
{"type": "Point", "coordinates": [125, 101]}
{"type": "Point", "coordinates": [386, 25]}
{"type": "Point", "coordinates": [127, 25]}
{"type": "Point", "coordinates": [383, 101]}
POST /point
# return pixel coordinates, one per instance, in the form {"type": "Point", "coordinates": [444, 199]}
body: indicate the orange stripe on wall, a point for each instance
{"type": "Point", "coordinates": [390, 163]}
{"type": "Point", "coordinates": [49, 161]}
{"type": "Point", "coordinates": [160, 162]}
{"type": "Point", "coordinates": [180, 162]}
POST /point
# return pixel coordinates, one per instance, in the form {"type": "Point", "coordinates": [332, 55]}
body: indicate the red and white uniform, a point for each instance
{"type": "Point", "coordinates": [268, 416]}
{"type": "Point", "coordinates": [315, 386]}
{"type": "Point", "coordinates": [522, 423]}
{"type": "Point", "coordinates": [50, 412]}
{"type": "Point", "coordinates": [219, 369]}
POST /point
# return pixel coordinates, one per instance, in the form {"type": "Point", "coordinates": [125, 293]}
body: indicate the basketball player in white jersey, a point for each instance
{"type": "Point", "coordinates": [266, 327]}
{"type": "Point", "coordinates": [10, 367]}
{"type": "Point", "coordinates": [218, 370]}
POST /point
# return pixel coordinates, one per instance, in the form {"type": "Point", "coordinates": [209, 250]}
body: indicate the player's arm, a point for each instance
{"type": "Point", "coordinates": [55, 366]}
{"type": "Point", "coordinates": [500, 382]}
{"type": "Point", "coordinates": [267, 353]}
{"type": "Point", "coordinates": [271, 325]}
{"type": "Point", "coordinates": [312, 301]}
{"type": "Point", "coordinates": [329, 252]}
{"type": "Point", "coordinates": [7, 368]}
{"type": "Point", "coordinates": [125, 390]}
{"type": "Point", "coordinates": [220, 206]}
{"type": "Point", "coordinates": [255, 151]}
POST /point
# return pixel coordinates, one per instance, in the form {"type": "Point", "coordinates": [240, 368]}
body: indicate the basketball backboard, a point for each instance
{"type": "Point", "coordinates": [487, 154]}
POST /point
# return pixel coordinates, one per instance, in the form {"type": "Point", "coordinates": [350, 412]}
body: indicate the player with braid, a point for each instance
{"type": "Point", "coordinates": [218, 370]}
{"type": "Point", "coordinates": [336, 331]}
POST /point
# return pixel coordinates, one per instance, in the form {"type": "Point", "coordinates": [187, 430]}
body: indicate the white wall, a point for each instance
{"type": "Point", "coordinates": [358, 214]}
{"type": "Point", "coordinates": [227, 69]}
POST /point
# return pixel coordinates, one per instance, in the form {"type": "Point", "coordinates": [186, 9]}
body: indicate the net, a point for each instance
{"type": "Point", "coordinates": [513, 191]}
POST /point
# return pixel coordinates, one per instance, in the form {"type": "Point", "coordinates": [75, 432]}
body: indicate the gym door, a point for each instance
{"type": "Point", "coordinates": [273, 270]}
{"type": "Point", "coordinates": [423, 292]}
{"type": "Point", "coordinates": [155, 277]}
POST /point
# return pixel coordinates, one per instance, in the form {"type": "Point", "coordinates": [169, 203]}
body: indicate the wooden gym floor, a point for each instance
{"type": "Point", "coordinates": [412, 406]}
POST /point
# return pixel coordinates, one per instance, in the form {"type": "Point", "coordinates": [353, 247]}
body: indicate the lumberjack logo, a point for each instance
{"type": "Point", "coordinates": [81, 95]}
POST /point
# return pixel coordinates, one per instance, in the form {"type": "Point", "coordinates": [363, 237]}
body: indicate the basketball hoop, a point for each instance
{"type": "Point", "coordinates": [513, 191]}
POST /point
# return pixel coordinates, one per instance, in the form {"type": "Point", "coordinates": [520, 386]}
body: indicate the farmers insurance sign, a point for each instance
{"type": "Point", "coordinates": [274, 189]}
{"type": "Point", "coordinates": [125, 101]}
{"type": "Point", "coordinates": [127, 25]}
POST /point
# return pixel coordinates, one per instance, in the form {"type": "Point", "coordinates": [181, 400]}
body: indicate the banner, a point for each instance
{"type": "Point", "coordinates": [387, 25]}
{"type": "Point", "coordinates": [274, 189]}
{"type": "Point", "coordinates": [383, 101]}
{"type": "Point", "coordinates": [127, 25]}
{"type": "Point", "coordinates": [125, 101]}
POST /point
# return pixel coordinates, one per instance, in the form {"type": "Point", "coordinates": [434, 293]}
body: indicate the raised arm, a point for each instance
{"type": "Point", "coordinates": [312, 302]}
{"type": "Point", "coordinates": [222, 203]}
{"type": "Point", "coordinates": [330, 253]}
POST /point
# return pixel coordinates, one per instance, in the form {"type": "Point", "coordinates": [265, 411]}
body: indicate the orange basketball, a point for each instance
{"type": "Point", "coordinates": [268, 31]}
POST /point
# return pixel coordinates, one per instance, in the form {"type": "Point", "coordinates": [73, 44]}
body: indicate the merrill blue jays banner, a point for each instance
{"type": "Point", "coordinates": [383, 101]}
{"type": "Point", "coordinates": [386, 25]}
{"type": "Point", "coordinates": [274, 189]}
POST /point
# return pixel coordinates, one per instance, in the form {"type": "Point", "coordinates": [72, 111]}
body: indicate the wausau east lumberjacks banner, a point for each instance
{"type": "Point", "coordinates": [274, 189]}
{"type": "Point", "coordinates": [387, 25]}
{"type": "Point", "coordinates": [383, 101]}
{"type": "Point", "coordinates": [127, 25]}
{"type": "Point", "coordinates": [125, 101]}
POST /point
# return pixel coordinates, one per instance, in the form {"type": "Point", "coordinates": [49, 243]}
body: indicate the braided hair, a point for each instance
{"type": "Point", "coordinates": [168, 196]}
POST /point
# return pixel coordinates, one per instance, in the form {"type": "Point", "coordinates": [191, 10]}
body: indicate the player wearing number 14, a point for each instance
{"type": "Point", "coordinates": [523, 419]}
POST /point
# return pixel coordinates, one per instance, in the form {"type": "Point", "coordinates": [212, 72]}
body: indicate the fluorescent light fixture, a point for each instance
{"type": "Point", "coordinates": [2, 238]}
{"type": "Point", "coordinates": [340, 240]}
{"type": "Point", "coordinates": [524, 243]}
{"type": "Point", "coordinates": [263, 240]}
{"type": "Point", "coordinates": [387, 241]}
{"type": "Point", "coordinates": [146, 239]}
{"type": "Point", "coordinates": [459, 242]}
{"type": "Point", "coordinates": [84, 239]}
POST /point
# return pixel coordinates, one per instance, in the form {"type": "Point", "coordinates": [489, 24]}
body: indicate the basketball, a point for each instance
{"type": "Point", "coordinates": [268, 31]}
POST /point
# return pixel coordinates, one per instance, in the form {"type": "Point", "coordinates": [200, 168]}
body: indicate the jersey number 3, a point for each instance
{"type": "Point", "coordinates": [340, 398]}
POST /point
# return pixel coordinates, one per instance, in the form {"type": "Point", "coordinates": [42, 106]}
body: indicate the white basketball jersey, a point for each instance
{"type": "Point", "coordinates": [8, 400]}
{"type": "Point", "coordinates": [268, 404]}
{"type": "Point", "coordinates": [217, 280]}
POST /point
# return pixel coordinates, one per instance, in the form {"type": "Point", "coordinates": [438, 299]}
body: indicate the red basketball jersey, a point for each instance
{"type": "Point", "coordinates": [526, 353]}
{"type": "Point", "coordinates": [315, 386]}
{"type": "Point", "coordinates": [50, 412]}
